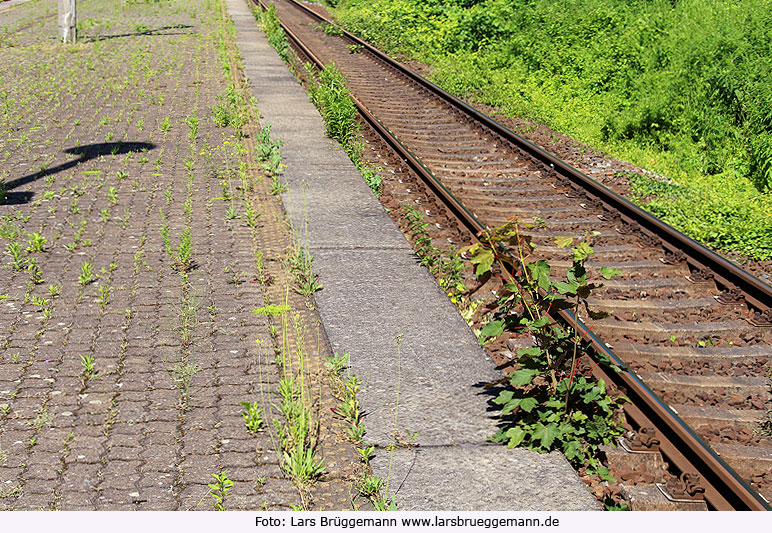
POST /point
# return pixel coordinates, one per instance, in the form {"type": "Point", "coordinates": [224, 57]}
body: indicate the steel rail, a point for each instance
{"type": "Point", "coordinates": [757, 292]}
{"type": "Point", "coordinates": [724, 488]}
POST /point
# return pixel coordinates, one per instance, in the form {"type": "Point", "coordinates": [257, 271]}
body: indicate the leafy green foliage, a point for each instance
{"type": "Point", "coordinates": [273, 30]}
{"type": "Point", "coordinates": [548, 404]}
{"type": "Point", "coordinates": [299, 458]}
{"type": "Point", "coordinates": [86, 273]}
{"type": "Point", "coordinates": [232, 109]}
{"type": "Point", "coordinates": [330, 95]}
{"type": "Point", "coordinates": [681, 88]}
{"type": "Point", "coordinates": [16, 253]}
{"type": "Point", "coordinates": [88, 362]}
{"type": "Point", "coordinates": [252, 416]}
{"type": "Point", "coordinates": [300, 263]}
{"type": "Point", "coordinates": [219, 489]}
{"type": "Point", "coordinates": [725, 219]}
{"type": "Point", "coordinates": [182, 260]}
{"type": "Point", "coordinates": [36, 243]}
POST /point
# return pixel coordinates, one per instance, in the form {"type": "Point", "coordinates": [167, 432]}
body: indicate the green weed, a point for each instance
{"type": "Point", "coordinates": [36, 243]}
{"type": "Point", "coordinates": [330, 95]}
{"type": "Point", "coordinates": [43, 418]}
{"type": "Point", "coordinates": [269, 21]}
{"type": "Point", "coordinates": [277, 187]}
{"type": "Point", "coordinates": [443, 264]}
{"type": "Point", "coordinates": [55, 289]}
{"type": "Point", "coordinates": [104, 295]}
{"type": "Point", "coordinates": [182, 260]}
{"type": "Point", "coordinates": [252, 416]}
{"type": "Point", "coordinates": [193, 124]}
{"type": "Point", "coordinates": [166, 125]}
{"type": "Point", "coordinates": [552, 402]}
{"type": "Point", "coordinates": [335, 363]}
{"type": "Point", "coordinates": [300, 264]}
{"type": "Point", "coordinates": [16, 252]}
{"type": "Point", "coordinates": [86, 274]}
{"type": "Point", "coordinates": [88, 363]}
{"type": "Point", "coordinates": [219, 490]}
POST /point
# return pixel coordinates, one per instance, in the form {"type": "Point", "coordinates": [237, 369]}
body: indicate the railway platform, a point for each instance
{"type": "Point", "coordinates": [421, 366]}
{"type": "Point", "coordinates": [149, 317]}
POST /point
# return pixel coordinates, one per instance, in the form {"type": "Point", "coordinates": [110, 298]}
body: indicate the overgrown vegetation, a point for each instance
{"type": "Point", "coordinates": [709, 213]}
{"type": "Point", "coordinates": [681, 88]}
{"type": "Point", "coordinates": [330, 95]}
{"type": "Point", "coordinates": [328, 92]}
{"type": "Point", "coordinates": [269, 21]}
{"type": "Point", "coordinates": [552, 401]}
{"type": "Point", "coordinates": [232, 109]}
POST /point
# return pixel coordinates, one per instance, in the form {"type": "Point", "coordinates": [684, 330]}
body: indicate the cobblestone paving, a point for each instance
{"type": "Point", "coordinates": [121, 374]}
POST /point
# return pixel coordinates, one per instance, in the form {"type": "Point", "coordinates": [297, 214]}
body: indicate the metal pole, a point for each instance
{"type": "Point", "coordinates": [68, 20]}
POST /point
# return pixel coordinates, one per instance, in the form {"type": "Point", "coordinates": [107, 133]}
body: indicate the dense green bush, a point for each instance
{"type": "Point", "coordinates": [683, 88]}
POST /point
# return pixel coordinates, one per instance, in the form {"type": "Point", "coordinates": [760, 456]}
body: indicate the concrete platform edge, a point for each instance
{"type": "Point", "coordinates": [374, 293]}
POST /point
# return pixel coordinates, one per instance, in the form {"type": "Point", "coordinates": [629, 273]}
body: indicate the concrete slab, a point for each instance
{"type": "Point", "coordinates": [374, 291]}
{"type": "Point", "coordinates": [453, 478]}
{"type": "Point", "coordinates": [334, 225]}
{"type": "Point", "coordinates": [441, 366]}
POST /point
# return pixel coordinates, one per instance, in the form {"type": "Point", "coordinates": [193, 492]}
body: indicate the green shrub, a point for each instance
{"type": "Point", "coordinates": [331, 97]}
{"type": "Point", "coordinates": [273, 30]}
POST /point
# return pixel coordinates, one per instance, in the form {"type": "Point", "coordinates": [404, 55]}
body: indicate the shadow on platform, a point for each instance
{"type": "Point", "coordinates": [86, 153]}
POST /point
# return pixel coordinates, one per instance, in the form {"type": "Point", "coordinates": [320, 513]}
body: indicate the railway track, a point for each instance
{"type": "Point", "coordinates": [691, 328]}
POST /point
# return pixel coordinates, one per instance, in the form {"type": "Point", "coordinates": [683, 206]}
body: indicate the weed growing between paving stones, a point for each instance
{"type": "Point", "coordinates": [219, 489]}
{"type": "Point", "coordinates": [43, 418]}
{"type": "Point", "coordinates": [298, 432]}
{"type": "Point", "coordinates": [252, 416]}
{"type": "Point", "coordinates": [55, 289]}
{"type": "Point", "coordinates": [8, 228]}
{"type": "Point", "coordinates": [346, 390]}
{"type": "Point", "coordinates": [269, 154]}
{"type": "Point", "coordinates": [88, 362]}
{"type": "Point", "coordinates": [232, 109]}
{"type": "Point", "coordinates": [181, 260]}
{"type": "Point", "coordinates": [251, 216]}
{"type": "Point", "coordinates": [192, 123]}
{"type": "Point", "coordinates": [187, 317]}
{"type": "Point", "coordinates": [16, 252]}
{"type": "Point", "coordinates": [86, 274]}
{"type": "Point", "coordinates": [104, 295]}
{"type": "Point", "coordinates": [165, 125]}
{"type": "Point", "coordinates": [36, 243]}
{"type": "Point", "coordinates": [300, 264]}
{"type": "Point", "coordinates": [549, 404]}
{"type": "Point", "coordinates": [381, 500]}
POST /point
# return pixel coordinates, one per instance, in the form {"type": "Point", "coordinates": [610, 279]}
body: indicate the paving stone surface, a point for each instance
{"type": "Point", "coordinates": [110, 152]}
